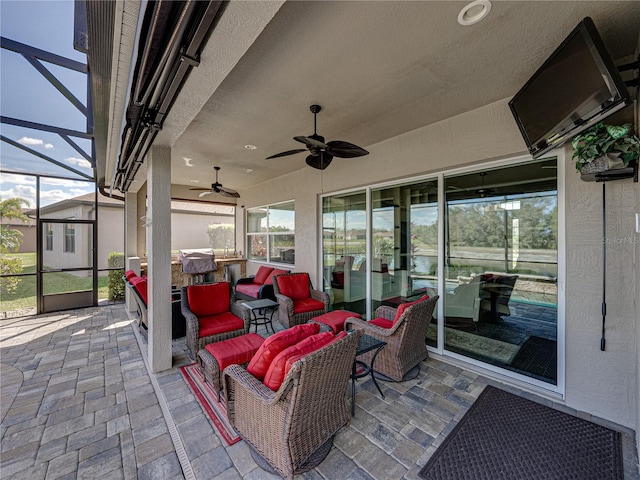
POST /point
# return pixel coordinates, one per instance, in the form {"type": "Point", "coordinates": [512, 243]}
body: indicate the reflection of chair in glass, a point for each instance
{"type": "Point", "coordinates": [495, 292]}
{"type": "Point", "coordinates": [348, 284]}
{"type": "Point", "coordinates": [465, 300]}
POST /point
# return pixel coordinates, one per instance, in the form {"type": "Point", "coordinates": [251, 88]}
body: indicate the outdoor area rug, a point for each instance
{"type": "Point", "coordinates": [507, 437]}
{"type": "Point", "coordinates": [208, 400]}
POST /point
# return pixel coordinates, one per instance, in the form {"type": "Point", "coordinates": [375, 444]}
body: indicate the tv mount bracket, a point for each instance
{"type": "Point", "coordinates": [634, 82]}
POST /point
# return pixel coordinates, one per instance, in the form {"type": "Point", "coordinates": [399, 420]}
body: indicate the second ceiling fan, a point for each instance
{"type": "Point", "coordinates": [322, 153]}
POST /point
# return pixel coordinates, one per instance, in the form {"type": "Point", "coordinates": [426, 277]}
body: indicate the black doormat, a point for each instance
{"type": "Point", "coordinates": [507, 437]}
{"type": "Point", "coordinates": [538, 356]}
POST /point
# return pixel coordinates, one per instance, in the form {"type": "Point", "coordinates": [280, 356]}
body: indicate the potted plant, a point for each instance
{"type": "Point", "coordinates": [605, 147]}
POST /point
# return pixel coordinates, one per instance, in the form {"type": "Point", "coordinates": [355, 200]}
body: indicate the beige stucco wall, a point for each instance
{"type": "Point", "coordinates": [601, 383]}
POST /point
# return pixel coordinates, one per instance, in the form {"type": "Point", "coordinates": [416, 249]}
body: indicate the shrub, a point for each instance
{"type": "Point", "coordinates": [116, 282]}
{"type": "Point", "coordinates": [9, 266]}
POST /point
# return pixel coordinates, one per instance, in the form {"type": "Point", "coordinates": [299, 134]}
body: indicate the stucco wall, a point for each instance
{"type": "Point", "coordinates": [601, 383]}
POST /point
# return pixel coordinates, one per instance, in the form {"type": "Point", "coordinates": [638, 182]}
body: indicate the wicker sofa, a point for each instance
{"type": "Point", "coordinates": [258, 286]}
{"type": "Point", "coordinates": [291, 430]}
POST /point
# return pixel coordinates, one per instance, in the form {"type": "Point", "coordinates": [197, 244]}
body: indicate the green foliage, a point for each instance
{"type": "Point", "coordinates": [115, 280]}
{"type": "Point", "coordinates": [10, 239]}
{"type": "Point", "coordinates": [9, 266]}
{"type": "Point", "coordinates": [601, 139]}
{"type": "Point", "coordinates": [222, 235]}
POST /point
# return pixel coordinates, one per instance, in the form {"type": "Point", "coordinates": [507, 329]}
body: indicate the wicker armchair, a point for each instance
{"type": "Point", "coordinates": [211, 316]}
{"type": "Point", "coordinates": [291, 430]}
{"type": "Point", "coordinates": [406, 346]}
{"type": "Point", "coordinates": [297, 301]}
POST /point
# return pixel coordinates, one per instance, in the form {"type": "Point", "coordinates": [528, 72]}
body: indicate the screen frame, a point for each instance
{"type": "Point", "coordinates": [602, 60]}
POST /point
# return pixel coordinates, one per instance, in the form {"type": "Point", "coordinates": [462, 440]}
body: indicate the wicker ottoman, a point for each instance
{"type": "Point", "coordinates": [335, 319]}
{"type": "Point", "coordinates": [215, 357]}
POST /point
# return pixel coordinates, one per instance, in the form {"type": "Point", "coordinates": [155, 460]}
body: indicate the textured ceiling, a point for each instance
{"type": "Point", "coordinates": [378, 69]}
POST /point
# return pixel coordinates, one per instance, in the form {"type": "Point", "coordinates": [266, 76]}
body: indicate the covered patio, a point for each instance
{"type": "Point", "coordinates": [79, 401]}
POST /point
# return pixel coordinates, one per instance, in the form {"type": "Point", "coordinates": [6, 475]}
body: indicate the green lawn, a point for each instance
{"type": "Point", "coordinates": [56, 282]}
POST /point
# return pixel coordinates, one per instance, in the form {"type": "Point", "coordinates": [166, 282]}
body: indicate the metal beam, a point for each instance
{"type": "Point", "coordinates": [45, 128]}
{"type": "Point", "coordinates": [23, 49]}
{"type": "Point", "coordinates": [78, 149]}
{"type": "Point", "coordinates": [45, 157]}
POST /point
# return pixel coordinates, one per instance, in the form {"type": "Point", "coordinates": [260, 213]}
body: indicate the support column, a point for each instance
{"type": "Point", "coordinates": [159, 257]}
{"type": "Point", "coordinates": [130, 242]}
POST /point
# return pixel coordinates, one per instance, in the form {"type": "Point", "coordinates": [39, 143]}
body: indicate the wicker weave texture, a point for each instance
{"type": "Point", "coordinates": [285, 305]}
{"type": "Point", "coordinates": [406, 346]}
{"type": "Point", "coordinates": [287, 427]}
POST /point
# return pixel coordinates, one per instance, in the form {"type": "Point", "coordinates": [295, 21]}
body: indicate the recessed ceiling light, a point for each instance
{"type": "Point", "coordinates": [194, 181]}
{"type": "Point", "coordinates": [250, 147]}
{"type": "Point", "coordinates": [249, 170]}
{"type": "Point", "coordinates": [474, 12]}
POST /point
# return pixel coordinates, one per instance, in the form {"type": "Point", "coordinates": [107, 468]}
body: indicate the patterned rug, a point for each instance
{"type": "Point", "coordinates": [507, 437]}
{"type": "Point", "coordinates": [208, 400]}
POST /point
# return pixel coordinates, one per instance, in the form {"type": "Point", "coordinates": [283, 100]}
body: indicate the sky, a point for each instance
{"type": "Point", "coordinates": [26, 95]}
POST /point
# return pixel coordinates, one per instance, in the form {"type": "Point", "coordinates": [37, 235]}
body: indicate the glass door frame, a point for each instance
{"type": "Point", "coordinates": [557, 390]}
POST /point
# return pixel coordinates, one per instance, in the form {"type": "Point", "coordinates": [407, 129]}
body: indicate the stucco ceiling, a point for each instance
{"type": "Point", "coordinates": [378, 69]}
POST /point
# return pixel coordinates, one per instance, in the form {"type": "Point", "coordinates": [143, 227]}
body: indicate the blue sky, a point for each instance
{"type": "Point", "coordinates": [25, 94]}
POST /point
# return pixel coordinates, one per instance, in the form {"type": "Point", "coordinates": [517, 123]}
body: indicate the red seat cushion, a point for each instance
{"type": "Point", "coordinates": [278, 368]}
{"type": "Point", "coordinates": [250, 289]}
{"type": "Point", "coordinates": [140, 284]}
{"type": "Point", "coordinates": [221, 323]}
{"type": "Point", "coordinates": [130, 274]}
{"type": "Point", "coordinates": [274, 272]}
{"type": "Point", "coordinates": [237, 350]}
{"type": "Point", "coordinates": [403, 306]}
{"type": "Point", "coordinates": [303, 305]}
{"type": "Point", "coordinates": [336, 319]}
{"type": "Point", "coordinates": [209, 299]}
{"type": "Point", "coordinates": [382, 322]}
{"type": "Point", "coordinates": [294, 285]}
{"type": "Point", "coordinates": [273, 345]}
{"type": "Point", "coordinates": [262, 274]}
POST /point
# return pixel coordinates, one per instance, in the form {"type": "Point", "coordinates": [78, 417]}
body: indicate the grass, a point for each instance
{"type": "Point", "coordinates": [55, 282]}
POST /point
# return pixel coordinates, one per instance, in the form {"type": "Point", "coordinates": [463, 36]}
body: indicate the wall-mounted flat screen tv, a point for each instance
{"type": "Point", "coordinates": [575, 88]}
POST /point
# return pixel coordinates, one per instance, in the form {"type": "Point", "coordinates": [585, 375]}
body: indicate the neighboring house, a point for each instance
{"type": "Point", "coordinates": [28, 231]}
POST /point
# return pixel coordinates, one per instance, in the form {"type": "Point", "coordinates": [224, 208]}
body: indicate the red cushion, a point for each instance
{"type": "Point", "coordinates": [294, 285]}
{"type": "Point", "coordinates": [236, 350]}
{"type": "Point", "coordinates": [294, 359]}
{"type": "Point", "coordinates": [403, 306]}
{"type": "Point", "coordinates": [262, 274]}
{"type": "Point", "coordinates": [278, 368]}
{"type": "Point", "coordinates": [382, 322]}
{"type": "Point", "coordinates": [140, 284]}
{"type": "Point", "coordinates": [209, 299]}
{"type": "Point", "coordinates": [221, 323]}
{"type": "Point", "coordinates": [130, 274]}
{"type": "Point", "coordinates": [250, 289]}
{"type": "Point", "coordinates": [273, 345]}
{"type": "Point", "coordinates": [336, 319]}
{"type": "Point", "coordinates": [274, 272]}
{"type": "Point", "coordinates": [304, 305]}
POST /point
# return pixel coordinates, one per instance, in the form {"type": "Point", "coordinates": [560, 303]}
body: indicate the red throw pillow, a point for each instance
{"type": "Point", "coordinates": [140, 284]}
{"type": "Point", "coordinates": [262, 274]}
{"type": "Point", "coordinates": [294, 286]}
{"type": "Point", "coordinates": [275, 344]}
{"type": "Point", "coordinates": [293, 360]}
{"type": "Point", "coordinates": [274, 272]}
{"type": "Point", "coordinates": [209, 299]}
{"type": "Point", "coordinates": [278, 368]}
{"type": "Point", "coordinates": [130, 274]}
{"type": "Point", "coordinates": [403, 306]}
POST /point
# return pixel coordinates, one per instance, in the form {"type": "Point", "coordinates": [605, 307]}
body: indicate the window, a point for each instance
{"type": "Point", "coordinates": [49, 238]}
{"type": "Point", "coordinates": [69, 238]}
{"type": "Point", "coordinates": [271, 233]}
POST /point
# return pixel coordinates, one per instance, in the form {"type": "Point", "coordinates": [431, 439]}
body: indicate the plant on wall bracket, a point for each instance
{"type": "Point", "coordinates": [605, 147]}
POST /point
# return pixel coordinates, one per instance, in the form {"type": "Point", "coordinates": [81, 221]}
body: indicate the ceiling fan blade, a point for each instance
{"type": "Point", "coordinates": [320, 161]}
{"type": "Point", "coordinates": [227, 192]}
{"type": "Point", "coordinates": [310, 142]}
{"type": "Point", "coordinates": [342, 149]}
{"type": "Point", "coordinates": [204, 194]}
{"type": "Point", "coordinates": [288, 152]}
{"type": "Point", "coordinates": [196, 189]}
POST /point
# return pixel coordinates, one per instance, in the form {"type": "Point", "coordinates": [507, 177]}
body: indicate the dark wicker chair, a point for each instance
{"type": "Point", "coordinates": [406, 346]}
{"type": "Point", "coordinates": [291, 430]}
{"type": "Point", "coordinates": [218, 323]}
{"type": "Point", "coordinates": [295, 309]}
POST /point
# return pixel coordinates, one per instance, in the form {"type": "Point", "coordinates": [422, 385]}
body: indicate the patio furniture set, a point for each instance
{"type": "Point", "coordinates": [285, 394]}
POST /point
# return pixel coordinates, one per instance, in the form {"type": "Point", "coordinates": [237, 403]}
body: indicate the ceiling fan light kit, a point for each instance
{"type": "Point", "coordinates": [322, 153]}
{"type": "Point", "coordinates": [217, 188]}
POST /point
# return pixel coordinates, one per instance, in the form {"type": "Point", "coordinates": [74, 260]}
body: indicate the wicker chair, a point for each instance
{"type": "Point", "coordinates": [291, 430]}
{"type": "Point", "coordinates": [211, 316]}
{"type": "Point", "coordinates": [297, 301]}
{"type": "Point", "coordinates": [406, 346]}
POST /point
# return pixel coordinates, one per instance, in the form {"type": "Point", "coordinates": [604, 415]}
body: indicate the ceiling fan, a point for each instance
{"type": "Point", "coordinates": [217, 188]}
{"type": "Point", "coordinates": [322, 153]}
